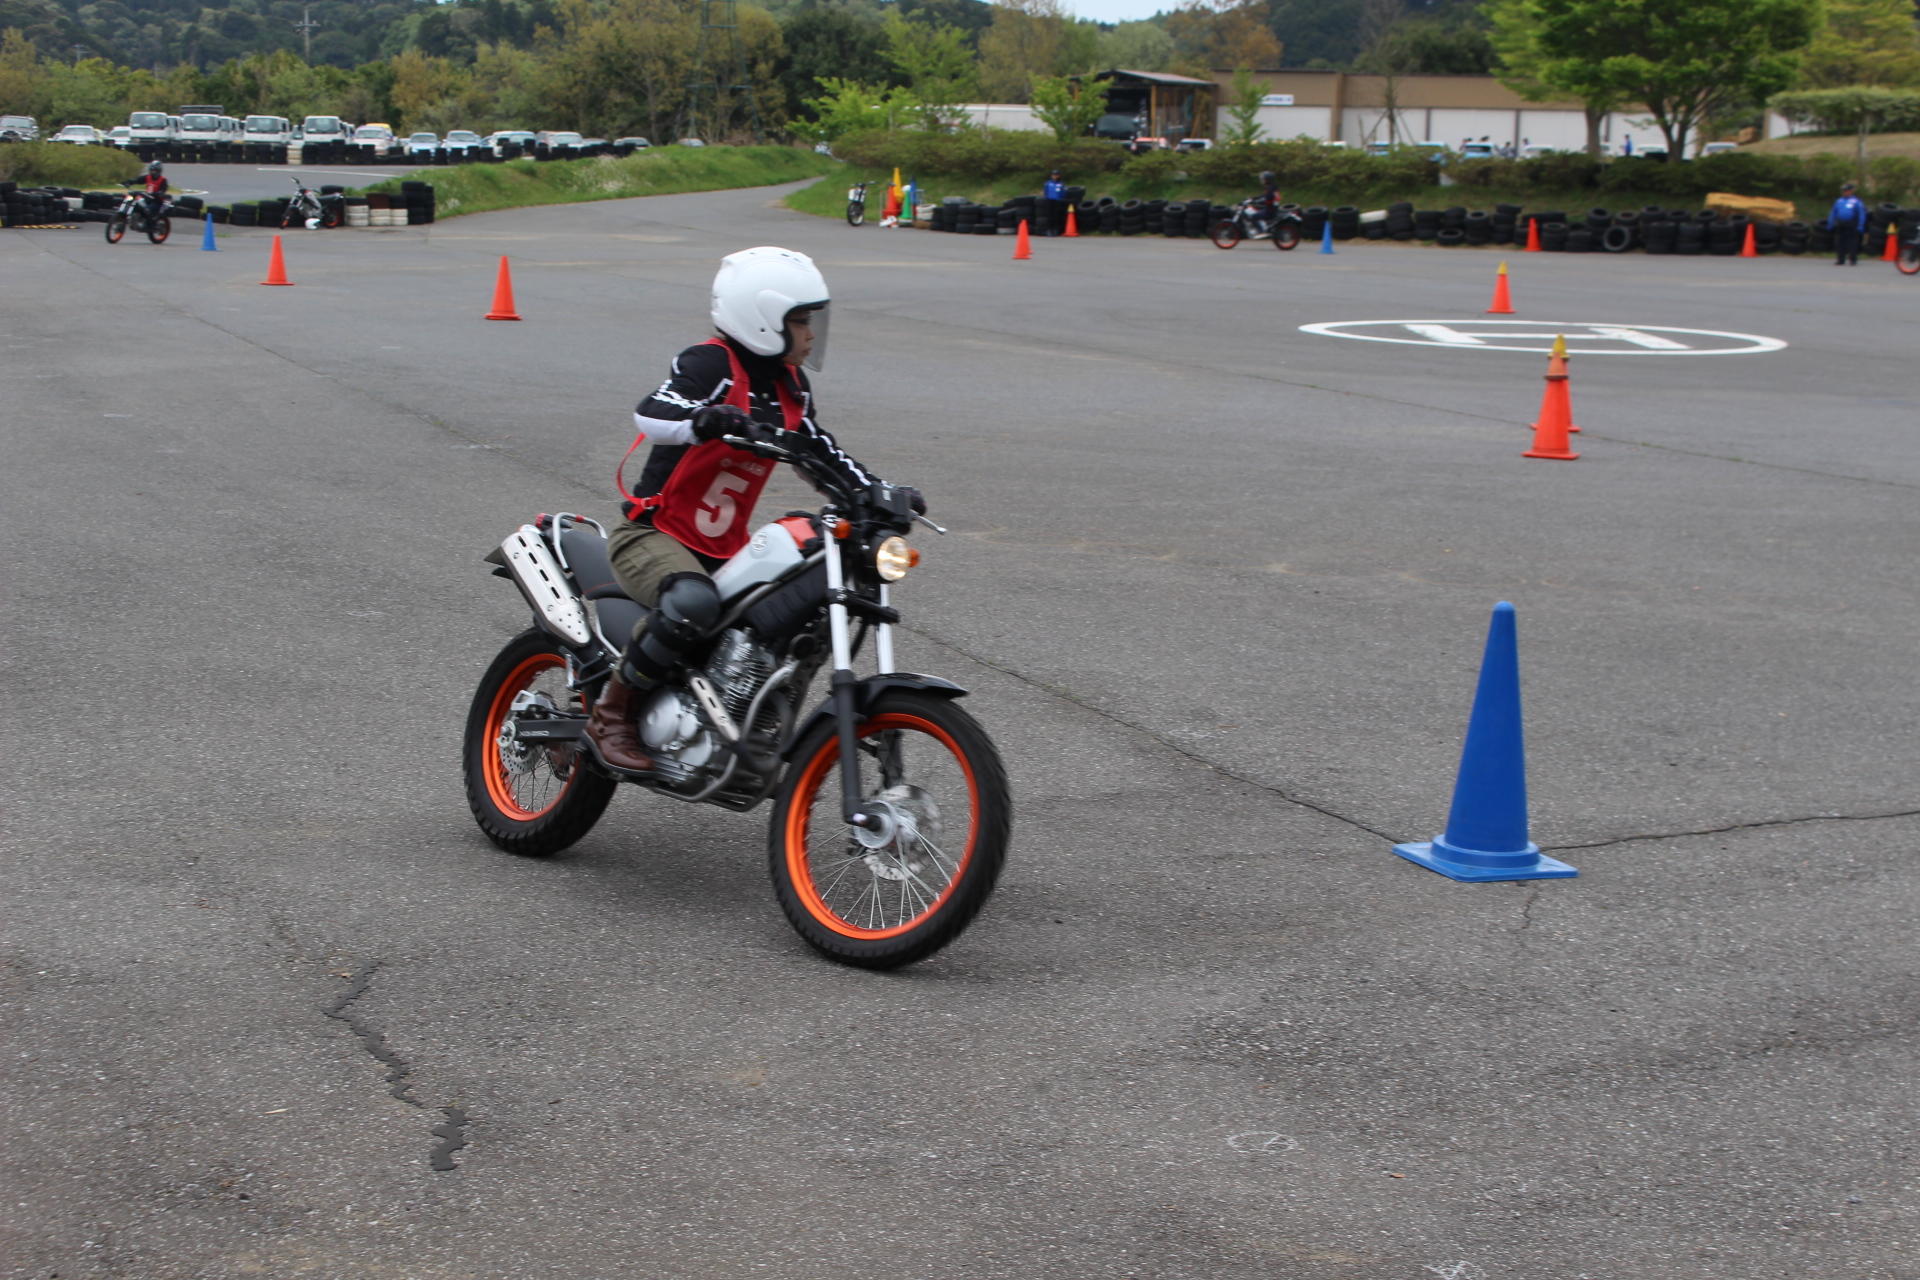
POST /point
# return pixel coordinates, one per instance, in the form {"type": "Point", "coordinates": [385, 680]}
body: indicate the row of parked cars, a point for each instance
{"type": "Point", "coordinates": [159, 128]}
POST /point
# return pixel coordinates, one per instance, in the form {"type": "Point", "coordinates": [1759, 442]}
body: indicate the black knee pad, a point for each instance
{"type": "Point", "coordinates": [688, 606]}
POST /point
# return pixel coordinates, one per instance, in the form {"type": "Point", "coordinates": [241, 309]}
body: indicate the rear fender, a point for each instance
{"type": "Point", "coordinates": [865, 693]}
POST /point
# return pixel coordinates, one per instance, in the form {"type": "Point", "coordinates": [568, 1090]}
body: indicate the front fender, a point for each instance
{"type": "Point", "coordinates": [865, 692]}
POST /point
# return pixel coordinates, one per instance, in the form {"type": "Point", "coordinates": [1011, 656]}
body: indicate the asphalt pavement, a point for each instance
{"type": "Point", "coordinates": [1219, 588]}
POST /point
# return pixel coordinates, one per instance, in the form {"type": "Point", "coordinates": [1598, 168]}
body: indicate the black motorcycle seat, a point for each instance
{"type": "Point", "coordinates": [586, 553]}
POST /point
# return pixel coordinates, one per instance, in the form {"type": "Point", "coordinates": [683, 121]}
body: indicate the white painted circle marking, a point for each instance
{"type": "Point", "coordinates": [1584, 337]}
{"type": "Point", "coordinates": [1262, 1141]}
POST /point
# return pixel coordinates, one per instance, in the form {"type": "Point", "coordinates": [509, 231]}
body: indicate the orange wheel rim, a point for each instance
{"type": "Point", "coordinates": [800, 868]}
{"type": "Point", "coordinates": [499, 785]}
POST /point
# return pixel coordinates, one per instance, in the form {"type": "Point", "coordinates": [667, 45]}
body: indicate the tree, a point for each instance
{"type": "Point", "coordinates": [937, 65]}
{"type": "Point", "coordinates": [1223, 33]}
{"type": "Point", "coordinates": [1067, 106]}
{"type": "Point", "coordinates": [1514, 35]}
{"type": "Point", "coordinates": [848, 106]}
{"type": "Point", "coordinates": [1243, 127]}
{"type": "Point", "coordinates": [833, 42]}
{"type": "Point", "coordinates": [1863, 42]}
{"type": "Point", "coordinates": [1682, 59]}
{"type": "Point", "coordinates": [1861, 108]}
{"type": "Point", "coordinates": [1024, 43]}
{"type": "Point", "coordinates": [1135, 46]}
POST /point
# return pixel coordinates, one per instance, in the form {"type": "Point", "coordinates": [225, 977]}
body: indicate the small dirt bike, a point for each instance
{"type": "Point", "coordinates": [857, 204]}
{"type": "Point", "coordinates": [891, 811]}
{"type": "Point", "coordinates": [142, 212]}
{"type": "Point", "coordinates": [1249, 222]}
{"type": "Point", "coordinates": [1909, 259]}
{"type": "Point", "coordinates": [310, 210]}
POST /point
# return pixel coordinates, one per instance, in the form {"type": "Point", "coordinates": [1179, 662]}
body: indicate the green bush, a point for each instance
{"type": "Point", "coordinates": [62, 164]}
{"type": "Point", "coordinates": [1890, 178]}
{"type": "Point", "coordinates": [986, 153]}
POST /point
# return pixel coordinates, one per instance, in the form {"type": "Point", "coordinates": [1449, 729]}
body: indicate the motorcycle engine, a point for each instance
{"type": "Point", "coordinates": [670, 722]}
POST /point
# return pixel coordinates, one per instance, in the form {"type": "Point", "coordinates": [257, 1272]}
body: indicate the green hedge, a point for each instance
{"type": "Point", "coordinates": [994, 153]}
{"type": "Point", "coordinates": [62, 164]}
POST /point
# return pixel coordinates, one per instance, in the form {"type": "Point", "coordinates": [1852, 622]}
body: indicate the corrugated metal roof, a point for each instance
{"type": "Point", "coordinates": [1157, 77]}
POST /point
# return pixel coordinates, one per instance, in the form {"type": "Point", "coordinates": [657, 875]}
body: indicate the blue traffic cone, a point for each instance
{"type": "Point", "coordinates": [1486, 835]}
{"type": "Point", "coordinates": [206, 234]}
{"type": "Point", "coordinates": [1326, 236]}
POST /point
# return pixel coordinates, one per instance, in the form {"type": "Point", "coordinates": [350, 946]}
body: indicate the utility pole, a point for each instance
{"type": "Point", "coordinates": [718, 16]}
{"type": "Point", "coordinates": [306, 27]}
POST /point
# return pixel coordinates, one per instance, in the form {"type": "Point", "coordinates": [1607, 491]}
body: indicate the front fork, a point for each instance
{"type": "Point", "coordinates": [844, 684]}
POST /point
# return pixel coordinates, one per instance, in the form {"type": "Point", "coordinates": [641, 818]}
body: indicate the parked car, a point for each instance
{"type": "Point", "coordinates": [120, 136]}
{"type": "Point", "coordinates": [689, 142]}
{"type": "Point", "coordinates": [19, 129]}
{"type": "Point", "coordinates": [422, 143]}
{"type": "Point", "coordinates": [522, 138]}
{"type": "Point", "coordinates": [1718, 148]}
{"type": "Point", "coordinates": [84, 135]}
{"type": "Point", "coordinates": [1140, 146]}
{"type": "Point", "coordinates": [150, 128]}
{"type": "Point", "coordinates": [641, 144]}
{"type": "Point", "coordinates": [558, 139]}
{"type": "Point", "coordinates": [1476, 151]}
{"type": "Point", "coordinates": [324, 129]}
{"type": "Point", "coordinates": [201, 128]}
{"type": "Point", "coordinates": [1534, 150]}
{"type": "Point", "coordinates": [463, 140]}
{"type": "Point", "coordinates": [270, 130]}
{"type": "Point", "coordinates": [378, 136]}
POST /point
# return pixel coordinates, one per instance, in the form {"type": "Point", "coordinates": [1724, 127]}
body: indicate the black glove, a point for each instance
{"type": "Point", "coordinates": [712, 421]}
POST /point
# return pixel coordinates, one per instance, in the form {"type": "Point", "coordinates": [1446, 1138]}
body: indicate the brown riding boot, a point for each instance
{"type": "Point", "coordinates": [611, 730]}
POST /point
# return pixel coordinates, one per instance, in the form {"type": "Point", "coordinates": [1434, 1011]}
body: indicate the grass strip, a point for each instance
{"type": "Point", "coordinates": [64, 164]}
{"type": "Point", "coordinates": [519, 184]}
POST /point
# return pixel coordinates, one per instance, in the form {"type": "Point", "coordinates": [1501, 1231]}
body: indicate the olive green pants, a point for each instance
{"type": "Point", "coordinates": [643, 558]}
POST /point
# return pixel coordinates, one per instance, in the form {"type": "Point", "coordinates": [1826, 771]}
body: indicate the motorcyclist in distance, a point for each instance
{"type": "Point", "coordinates": [692, 507]}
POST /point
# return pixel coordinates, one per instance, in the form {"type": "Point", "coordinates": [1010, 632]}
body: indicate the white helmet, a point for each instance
{"type": "Point", "coordinates": [756, 289]}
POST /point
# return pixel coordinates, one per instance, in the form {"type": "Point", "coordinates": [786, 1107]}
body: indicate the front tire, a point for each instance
{"type": "Point", "coordinates": [1286, 235]}
{"type": "Point", "coordinates": [1225, 233]}
{"type": "Point", "coordinates": [856, 213]}
{"type": "Point", "coordinates": [116, 228]}
{"type": "Point", "coordinates": [1909, 260]}
{"type": "Point", "coordinates": [158, 229]}
{"type": "Point", "coordinates": [891, 902]}
{"type": "Point", "coordinates": [533, 800]}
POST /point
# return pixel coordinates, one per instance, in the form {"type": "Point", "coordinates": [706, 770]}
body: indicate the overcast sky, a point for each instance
{"type": "Point", "coordinates": [1118, 10]}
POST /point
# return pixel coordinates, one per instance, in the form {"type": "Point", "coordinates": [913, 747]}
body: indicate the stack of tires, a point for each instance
{"type": "Point", "coordinates": [1345, 221]}
{"type": "Point", "coordinates": [1879, 218]}
{"type": "Point", "coordinates": [417, 199]}
{"type": "Point", "coordinates": [245, 214]}
{"type": "Point", "coordinates": [1398, 224]}
{"type": "Point", "coordinates": [271, 213]}
{"type": "Point", "coordinates": [1426, 224]}
{"type": "Point", "coordinates": [31, 206]}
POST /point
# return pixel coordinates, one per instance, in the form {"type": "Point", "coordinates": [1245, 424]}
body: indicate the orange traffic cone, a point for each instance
{"type": "Point", "coordinates": [1022, 247]}
{"type": "Point", "coordinates": [1533, 235]}
{"type": "Point", "coordinates": [276, 266]}
{"type": "Point", "coordinates": [1556, 411]}
{"type": "Point", "coordinates": [1747, 247]}
{"type": "Point", "coordinates": [1502, 300]}
{"type": "Point", "coordinates": [503, 295]}
{"type": "Point", "coordinates": [1892, 251]}
{"type": "Point", "coordinates": [1073, 225]}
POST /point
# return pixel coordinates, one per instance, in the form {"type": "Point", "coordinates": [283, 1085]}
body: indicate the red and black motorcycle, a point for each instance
{"type": "Point", "coordinates": [891, 811]}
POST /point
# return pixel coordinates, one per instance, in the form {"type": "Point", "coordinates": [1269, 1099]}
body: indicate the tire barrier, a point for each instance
{"type": "Point", "coordinates": [1652, 229]}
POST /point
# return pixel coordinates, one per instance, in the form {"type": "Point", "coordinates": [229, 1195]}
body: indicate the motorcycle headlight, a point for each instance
{"type": "Point", "coordinates": [893, 557]}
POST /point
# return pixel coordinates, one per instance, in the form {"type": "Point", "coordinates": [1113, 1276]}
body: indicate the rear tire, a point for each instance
{"type": "Point", "coordinates": [529, 800]}
{"type": "Point", "coordinates": [886, 906]}
{"type": "Point", "coordinates": [1225, 234]}
{"type": "Point", "coordinates": [329, 216]}
{"type": "Point", "coordinates": [1286, 235]}
{"type": "Point", "coordinates": [856, 213]}
{"type": "Point", "coordinates": [158, 229]}
{"type": "Point", "coordinates": [1909, 260]}
{"type": "Point", "coordinates": [116, 228]}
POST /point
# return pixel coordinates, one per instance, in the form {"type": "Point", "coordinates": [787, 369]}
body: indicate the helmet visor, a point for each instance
{"type": "Point", "coordinates": [815, 321]}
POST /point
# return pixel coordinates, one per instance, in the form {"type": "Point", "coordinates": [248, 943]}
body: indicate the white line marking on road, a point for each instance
{"type": "Point", "coordinates": [1584, 337]}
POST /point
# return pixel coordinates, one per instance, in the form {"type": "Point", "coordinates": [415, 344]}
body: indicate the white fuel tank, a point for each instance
{"type": "Point", "coordinates": [773, 549]}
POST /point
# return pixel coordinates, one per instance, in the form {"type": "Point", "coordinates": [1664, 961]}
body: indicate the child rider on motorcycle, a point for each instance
{"type": "Point", "coordinates": [1267, 204]}
{"type": "Point", "coordinates": [693, 505]}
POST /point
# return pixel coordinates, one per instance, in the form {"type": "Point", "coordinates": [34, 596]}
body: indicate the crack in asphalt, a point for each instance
{"type": "Point", "coordinates": [1756, 825]}
{"type": "Point", "coordinates": [452, 1132]}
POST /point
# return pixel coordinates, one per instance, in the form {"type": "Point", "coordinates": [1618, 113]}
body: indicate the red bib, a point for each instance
{"type": "Point", "coordinates": [709, 498]}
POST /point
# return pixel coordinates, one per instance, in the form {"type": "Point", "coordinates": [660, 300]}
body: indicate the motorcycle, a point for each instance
{"type": "Point", "coordinates": [891, 812]}
{"type": "Point", "coordinates": [142, 212]}
{"type": "Point", "coordinates": [1247, 221]}
{"type": "Point", "coordinates": [1909, 257]}
{"type": "Point", "coordinates": [857, 204]}
{"type": "Point", "coordinates": [310, 210]}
